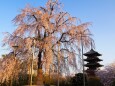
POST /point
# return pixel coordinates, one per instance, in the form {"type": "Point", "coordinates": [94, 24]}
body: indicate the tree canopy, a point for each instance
{"type": "Point", "coordinates": [52, 33]}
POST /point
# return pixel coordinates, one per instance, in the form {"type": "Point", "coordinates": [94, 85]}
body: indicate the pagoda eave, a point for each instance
{"type": "Point", "coordinates": [92, 65]}
{"type": "Point", "coordinates": [91, 60]}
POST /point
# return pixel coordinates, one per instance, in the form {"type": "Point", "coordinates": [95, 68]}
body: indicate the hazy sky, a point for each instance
{"type": "Point", "coordinates": [100, 12]}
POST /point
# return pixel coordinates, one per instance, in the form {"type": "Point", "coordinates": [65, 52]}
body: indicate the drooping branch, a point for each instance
{"type": "Point", "coordinates": [44, 28]}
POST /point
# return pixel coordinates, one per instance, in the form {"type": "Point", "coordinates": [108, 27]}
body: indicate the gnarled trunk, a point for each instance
{"type": "Point", "coordinates": [39, 60]}
{"type": "Point", "coordinates": [39, 71]}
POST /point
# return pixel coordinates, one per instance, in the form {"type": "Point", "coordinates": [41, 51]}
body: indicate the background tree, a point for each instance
{"type": "Point", "coordinates": [107, 75]}
{"type": "Point", "coordinates": [51, 31]}
{"type": "Point", "coordinates": [9, 69]}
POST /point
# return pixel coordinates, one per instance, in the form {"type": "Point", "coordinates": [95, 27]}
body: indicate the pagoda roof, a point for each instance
{"type": "Point", "coordinates": [92, 52]}
{"type": "Point", "coordinates": [93, 59]}
{"type": "Point", "coordinates": [93, 65]}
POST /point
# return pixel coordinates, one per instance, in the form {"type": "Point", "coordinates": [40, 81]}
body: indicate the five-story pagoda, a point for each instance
{"type": "Point", "coordinates": [92, 62]}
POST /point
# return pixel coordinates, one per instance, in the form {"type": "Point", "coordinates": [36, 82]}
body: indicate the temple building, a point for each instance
{"type": "Point", "coordinates": [92, 62]}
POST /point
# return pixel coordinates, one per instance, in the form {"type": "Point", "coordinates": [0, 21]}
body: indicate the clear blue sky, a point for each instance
{"type": "Point", "coordinates": [100, 12]}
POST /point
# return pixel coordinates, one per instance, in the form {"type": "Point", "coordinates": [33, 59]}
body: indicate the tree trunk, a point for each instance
{"type": "Point", "coordinates": [39, 71]}
{"type": "Point", "coordinates": [31, 69]}
{"type": "Point", "coordinates": [39, 60]}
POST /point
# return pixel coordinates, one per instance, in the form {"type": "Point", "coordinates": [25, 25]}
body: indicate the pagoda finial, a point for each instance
{"type": "Point", "coordinates": [91, 45]}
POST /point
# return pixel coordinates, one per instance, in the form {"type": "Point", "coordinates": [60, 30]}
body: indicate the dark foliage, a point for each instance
{"type": "Point", "coordinates": [94, 81]}
{"type": "Point", "coordinates": [77, 80]}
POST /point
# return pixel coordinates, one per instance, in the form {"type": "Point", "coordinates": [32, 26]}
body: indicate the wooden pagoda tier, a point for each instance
{"type": "Point", "coordinates": [92, 52]}
{"type": "Point", "coordinates": [92, 62]}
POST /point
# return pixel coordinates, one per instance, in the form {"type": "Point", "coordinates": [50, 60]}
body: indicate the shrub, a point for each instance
{"type": "Point", "coordinates": [77, 80]}
{"type": "Point", "coordinates": [94, 81]}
